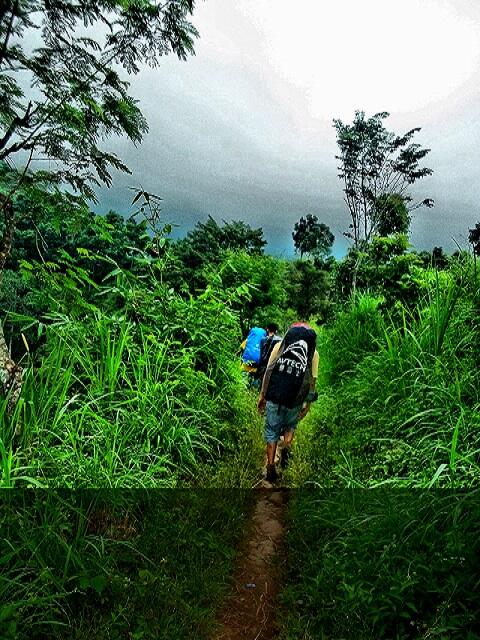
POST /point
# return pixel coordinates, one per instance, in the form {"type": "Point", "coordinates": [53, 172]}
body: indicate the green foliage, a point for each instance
{"type": "Point", "coordinates": [261, 282]}
{"type": "Point", "coordinates": [312, 237]}
{"type": "Point", "coordinates": [384, 564]}
{"type": "Point", "coordinates": [474, 239]}
{"type": "Point", "coordinates": [391, 215]}
{"type": "Point", "coordinates": [354, 334]}
{"type": "Point", "coordinates": [406, 411]}
{"type": "Point", "coordinates": [80, 98]}
{"type": "Point", "coordinates": [116, 564]}
{"type": "Point", "coordinates": [207, 245]}
{"type": "Point", "coordinates": [383, 267]}
{"type": "Point", "coordinates": [308, 287]}
{"type": "Point", "coordinates": [134, 394]}
{"type": "Point", "coordinates": [93, 241]}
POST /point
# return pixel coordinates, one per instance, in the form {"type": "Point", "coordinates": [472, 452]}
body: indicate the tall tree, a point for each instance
{"type": "Point", "coordinates": [312, 237]}
{"type": "Point", "coordinates": [61, 99]}
{"type": "Point", "coordinates": [374, 163]}
{"type": "Point", "coordinates": [308, 286]}
{"type": "Point", "coordinates": [236, 234]}
{"type": "Point", "coordinates": [61, 94]}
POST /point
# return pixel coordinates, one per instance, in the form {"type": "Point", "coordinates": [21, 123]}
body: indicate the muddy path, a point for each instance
{"type": "Point", "coordinates": [249, 612]}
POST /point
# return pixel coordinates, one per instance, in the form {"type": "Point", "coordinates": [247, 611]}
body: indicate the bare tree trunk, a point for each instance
{"type": "Point", "coordinates": [7, 239]}
{"type": "Point", "coordinates": [355, 274]}
{"type": "Point", "coordinates": [11, 374]}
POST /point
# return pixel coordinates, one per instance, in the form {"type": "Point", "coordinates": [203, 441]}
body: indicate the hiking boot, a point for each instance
{"type": "Point", "coordinates": [284, 457]}
{"type": "Point", "coordinates": [271, 473]}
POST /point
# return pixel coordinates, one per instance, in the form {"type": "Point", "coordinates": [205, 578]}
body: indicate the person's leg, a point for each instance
{"type": "Point", "coordinates": [271, 451]}
{"type": "Point", "coordinates": [291, 422]}
{"type": "Point", "coordinates": [288, 437]}
{"type": "Point", "coordinates": [272, 431]}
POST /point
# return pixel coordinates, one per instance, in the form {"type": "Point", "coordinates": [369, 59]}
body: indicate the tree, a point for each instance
{"type": "Point", "coordinates": [474, 238]}
{"type": "Point", "coordinates": [377, 165]}
{"type": "Point", "coordinates": [230, 235]}
{"type": "Point", "coordinates": [76, 97]}
{"type": "Point", "coordinates": [384, 267]}
{"type": "Point", "coordinates": [261, 281]}
{"type": "Point", "coordinates": [439, 259]}
{"type": "Point", "coordinates": [308, 287]}
{"type": "Point", "coordinates": [206, 244]}
{"type": "Point", "coordinates": [312, 237]}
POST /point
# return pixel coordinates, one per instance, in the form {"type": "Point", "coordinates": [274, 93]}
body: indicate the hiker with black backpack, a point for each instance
{"type": "Point", "coordinates": [288, 389]}
{"type": "Point", "coordinates": [266, 347]}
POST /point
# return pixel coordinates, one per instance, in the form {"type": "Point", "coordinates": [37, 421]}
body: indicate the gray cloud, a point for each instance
{"type": "Point", "coordinates": [230, 137]}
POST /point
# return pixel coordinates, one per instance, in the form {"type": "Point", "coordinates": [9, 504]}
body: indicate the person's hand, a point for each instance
{"type": "Point", "coordinates": [304, 411]}
{"type": "Point", "coordinates": [261, 404]}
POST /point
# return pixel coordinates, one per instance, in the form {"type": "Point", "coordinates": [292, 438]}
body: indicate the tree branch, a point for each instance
{"type": "Point", "coordinates": [8, 32]}
{"type": "Point", "coordinates": [16, 122]}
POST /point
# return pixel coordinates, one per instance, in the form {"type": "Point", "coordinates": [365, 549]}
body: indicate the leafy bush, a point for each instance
{"type": "Point", "coordinates": [116, 564]}
{"type": "Point", "coordinates": [134, 396]}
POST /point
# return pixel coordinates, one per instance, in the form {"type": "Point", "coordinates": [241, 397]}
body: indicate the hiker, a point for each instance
{"type": "Point", "coordinates": [250, 349]}
{"type": "Point", "coordinates": [288, 389]}
{"type": "Point", "coordinates": [266, 346]}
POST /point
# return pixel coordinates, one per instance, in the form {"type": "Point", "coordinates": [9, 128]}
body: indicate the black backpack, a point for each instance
{"type": "Point", "coordinates": [266, 349]}
{"type": "Point", "coordinates": [289, 382]}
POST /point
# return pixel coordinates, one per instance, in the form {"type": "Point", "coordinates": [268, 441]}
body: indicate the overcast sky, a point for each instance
{"type": "Point", "coordinates": [243, 130]}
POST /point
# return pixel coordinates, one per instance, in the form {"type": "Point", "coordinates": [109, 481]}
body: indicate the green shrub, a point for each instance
{"type": "Point", "coordinates": [116, 564]}
{"type": "Point", "coordinates": [408, 413]}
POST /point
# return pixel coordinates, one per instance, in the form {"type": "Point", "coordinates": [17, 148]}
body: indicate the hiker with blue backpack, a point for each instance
{"type": "Point", "coordinates": [288, 389]}
{"type": "Point", "coordinates": [251, 348]}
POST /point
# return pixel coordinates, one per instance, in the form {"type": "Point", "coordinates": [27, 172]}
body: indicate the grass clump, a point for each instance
{"type": "Point", "coordinates": [122, 401]}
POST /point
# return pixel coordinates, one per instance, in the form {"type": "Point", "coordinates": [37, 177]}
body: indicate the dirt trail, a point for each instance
{"type": "Point", "coordinates": [249, 612]}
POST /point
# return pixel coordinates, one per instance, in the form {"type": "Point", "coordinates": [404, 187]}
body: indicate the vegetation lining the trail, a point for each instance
{"type": "Point", "coordinates": [396, 564]}
{"type": "Point", "coordinates": [399, 407]}
{"type": "Point", "coordinates": [141, 564]}
{"type": "Point", "coordinates": [137, 396]}
{"type": "Point", "coordinates": [401, 391]}
{"type": "Point", "coordinates": [124, 345]}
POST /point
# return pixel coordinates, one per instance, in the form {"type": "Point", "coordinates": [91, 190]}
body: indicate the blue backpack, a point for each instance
{"type": "Point", "coordinates": [251, 354]}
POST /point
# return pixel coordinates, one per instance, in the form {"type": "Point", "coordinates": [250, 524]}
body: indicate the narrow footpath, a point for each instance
{"type": "Point", "coordinates": [249, 612]}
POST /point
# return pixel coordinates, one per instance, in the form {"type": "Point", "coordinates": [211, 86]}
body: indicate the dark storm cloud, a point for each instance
{"type": "Point", "coordinates": [223, 141]}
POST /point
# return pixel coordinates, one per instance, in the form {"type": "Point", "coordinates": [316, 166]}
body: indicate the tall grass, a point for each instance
{"type": "Point", "coordinates": [116, 564]}
{"type": "Point", "coordinates": [407, 411]}
{"type": "Point", "coordinates": [114, 403]}
{"type": "Point", "coordinates": [383, 564]}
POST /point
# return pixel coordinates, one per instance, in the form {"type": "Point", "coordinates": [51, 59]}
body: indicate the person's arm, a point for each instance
{"type": "Point", "coordinates": [266, 378]}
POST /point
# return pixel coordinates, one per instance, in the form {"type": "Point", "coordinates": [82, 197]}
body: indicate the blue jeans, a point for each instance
{"type": "Point", "coordinates": [278, 420]}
